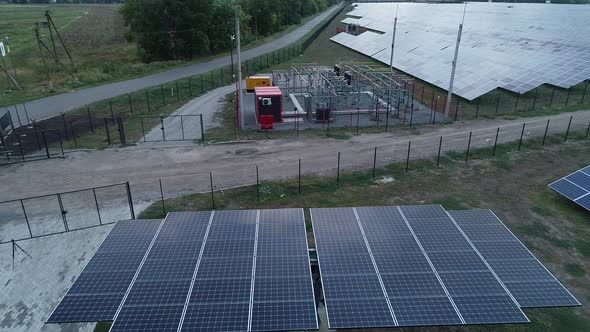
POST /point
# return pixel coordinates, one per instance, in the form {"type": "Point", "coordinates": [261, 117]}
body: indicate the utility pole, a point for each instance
{"type": "Point", "coordinates": [393, 38]}
{"type": "Point", "coordinates": [50, 21]}
{"type": "Point", "coordinates": [42, 56]}
{"type": "Point", "coordinates": [51, 37]}
{"type": "Point", "coordinates": [454, 65]}
{"type": "Point", "coordinates": [241, 108]}
{"type": "Point", "coordinates": [231, 50]}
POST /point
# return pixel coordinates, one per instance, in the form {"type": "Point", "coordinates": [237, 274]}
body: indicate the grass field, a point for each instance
{"type": "Point", "coordinates": [94, 35]}
{"type": "Point", "coordinates": [513, 185]}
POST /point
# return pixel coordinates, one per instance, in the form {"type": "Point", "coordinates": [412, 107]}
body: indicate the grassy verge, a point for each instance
{"type": "Point", "coordinates": [513, 184]}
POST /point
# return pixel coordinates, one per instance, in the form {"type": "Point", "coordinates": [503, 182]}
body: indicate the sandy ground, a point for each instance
{"type": "Point", "coordinates": [31, 290]}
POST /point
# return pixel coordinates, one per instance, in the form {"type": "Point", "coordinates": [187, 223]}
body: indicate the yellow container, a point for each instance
{"type": "Point", "coordinates": [256, 81]}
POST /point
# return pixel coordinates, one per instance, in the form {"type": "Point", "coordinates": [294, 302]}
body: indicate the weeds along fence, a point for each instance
{"type": "Point", "coordinates": [45, 215]}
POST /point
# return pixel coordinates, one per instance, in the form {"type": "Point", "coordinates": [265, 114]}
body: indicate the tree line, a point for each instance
{"type": "Point", "coordinates": [183, 29]}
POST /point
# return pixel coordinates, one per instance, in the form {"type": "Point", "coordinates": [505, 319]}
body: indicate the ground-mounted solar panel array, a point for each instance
{"type": "Point", "coordinates": [418, 266]}
{"type": "Point", "coordinates": [250, 271]}
{"type": "Point", "coordinates": [204, 271]}
{"type": "Point", "coordinates": [517, 47]}
{"type": "Point", "coordinates": [575, 187]}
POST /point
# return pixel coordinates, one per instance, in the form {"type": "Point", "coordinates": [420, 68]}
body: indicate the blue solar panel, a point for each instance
{"type": "Point", "coordinates": [99, 289]}
{"type": "Point", "coordinates": [287, 289]}
{"type": "Point", "coordinates": [575, 186]}
{"type": "Point", "coordinates": [148, 318]}
{"type": "Point", "coordinates": [220, 317]}
{"type": "Point", "coordinates": [524, 276]}
{"type": "Point", "coordinates": [220, 290]}
{"type": "Point", "coordinates": [358, 313]}
{"type": "Point", "coordinates": [489, 309]}
{"type": "Point", "coordinates": [284, 316]}
{"type": "Point", "coordinates": [425, 311]}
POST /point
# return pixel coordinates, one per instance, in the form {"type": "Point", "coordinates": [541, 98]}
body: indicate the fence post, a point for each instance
{"type": "Point", "coordinates": [202, 86]}
{"type": "Point", "coordinates": [121, 131]}
{"type": "Point", "coordinates": [162, 128]}
{"type": "Point", "coordinates": [111, 108]}
{"type": "Point", "coordinates": [73, 133]}
{"type": "Point", "coordinates": [130, 103]}
{"type": "Point", "coordinates": [212, 79]}
{"type": "Point", "coordinates": [338, 172]}
{"type": "Point", "coordinates": [495, 142]}
{"type": "Point", "coordinates": [521, 135]}
{"type": "Point", "coordinates": [162, 196]}
{"type": "Point", "coordinates": [439, 148]}
{"type": "Point", "coordinates": [130, 200]}
{"type": "Point", "coordinates": [457, 109]}
{"type": "Point", "coordinates": [299, 178]}
{"type": "Point", "coordinates": [182, 127]}
{"type": "Point", "coordinates": [535, 98]}
{"type": "Point", "coordinates": [163, 95]}
{"type": "Point", "coordinates": [257, 185]}
{"type": "Point", "coordinates": [177, 92]}
{"type": "Point", "coordinates": [568, 128]}
{"type": "Point", "coordinates": [374, 162]}
{"type": "Point", "coordinates": [142, 128]}
{"type": "Point", "coordinates": [552, 95]}
{"type": "Point", "coordinates": [497, 103]}
{"type": "Point", "coordinates": [45, 144]}
{"type": "Point", "coordinates": [545, 135]}
{"type": "Point", "coordinates": [408, 157]}
{"type": "Point", "coordinates": [190, 86]}
{"type": "Point", "coordinates": [567, 98]}
{"type": "Point", "coordinates": [584, 94]}
{"type": "Point", "coordinates": [97, 208]}
{"type": "Point", "coordinates": [411, 115]}
{"type": "Point", "coordinates": [468, 147]}
{"type": "Point", "coordinates": [588, 130]}
{"type": "Point", "coordinates": [516, 102]}
{"type": "Point", "coordinates": [106, 128]}
{"type": "Point", "coordinates": [212, 196]}
{"type": "Point", "coordinates": [20, 146]}
{"type": "Point", "coordinates": [202, 129]}
{"type": "Point", "coordinates": [63, 117]}
{"type": "Point", "coordinates": [63, 212]}
{"type": "Point", "coordinates": [477, 109]}
{"type": "Point", "coordinates": [221, 76]}
{"type": "Point", "coordinates": [147, 97]}
{"type": "Point", "coordinates": [89, 118]}
{"type": "Point", "coordinates": [26, 218]}
{"type": "Point", "coordinates": [61, 145]}
{"type": "Point", "coordinates": [358, 115]}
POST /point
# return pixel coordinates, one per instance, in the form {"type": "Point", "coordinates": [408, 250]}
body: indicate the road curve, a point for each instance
{"type": "Point", "coordinates": [54, 105]}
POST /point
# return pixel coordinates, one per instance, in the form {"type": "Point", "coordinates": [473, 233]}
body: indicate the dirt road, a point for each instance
{"type": "Point", "coordinates": [185, 169]}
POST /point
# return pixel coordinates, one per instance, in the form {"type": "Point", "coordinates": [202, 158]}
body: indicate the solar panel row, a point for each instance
{"type": "Point", "coordinates": [531, 284]}
{"type": "Point", "coordinates": [97, 292]}
{"type": "Point", "coordinates": [199, 271]}
{"type": "Point", "coordinates": [575, 187]}
{"type": "Point", "coordinates": [501, 46]}
{"type": "Point", "coordinates": [393, 274]}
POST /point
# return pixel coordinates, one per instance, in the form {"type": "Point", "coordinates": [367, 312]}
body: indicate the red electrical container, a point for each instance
{"type": "Point", "coordinates": [269, 102]}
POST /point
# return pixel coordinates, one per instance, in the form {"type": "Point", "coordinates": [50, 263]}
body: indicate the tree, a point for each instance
{"type": "Point", "coordinates": [181, 29]}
